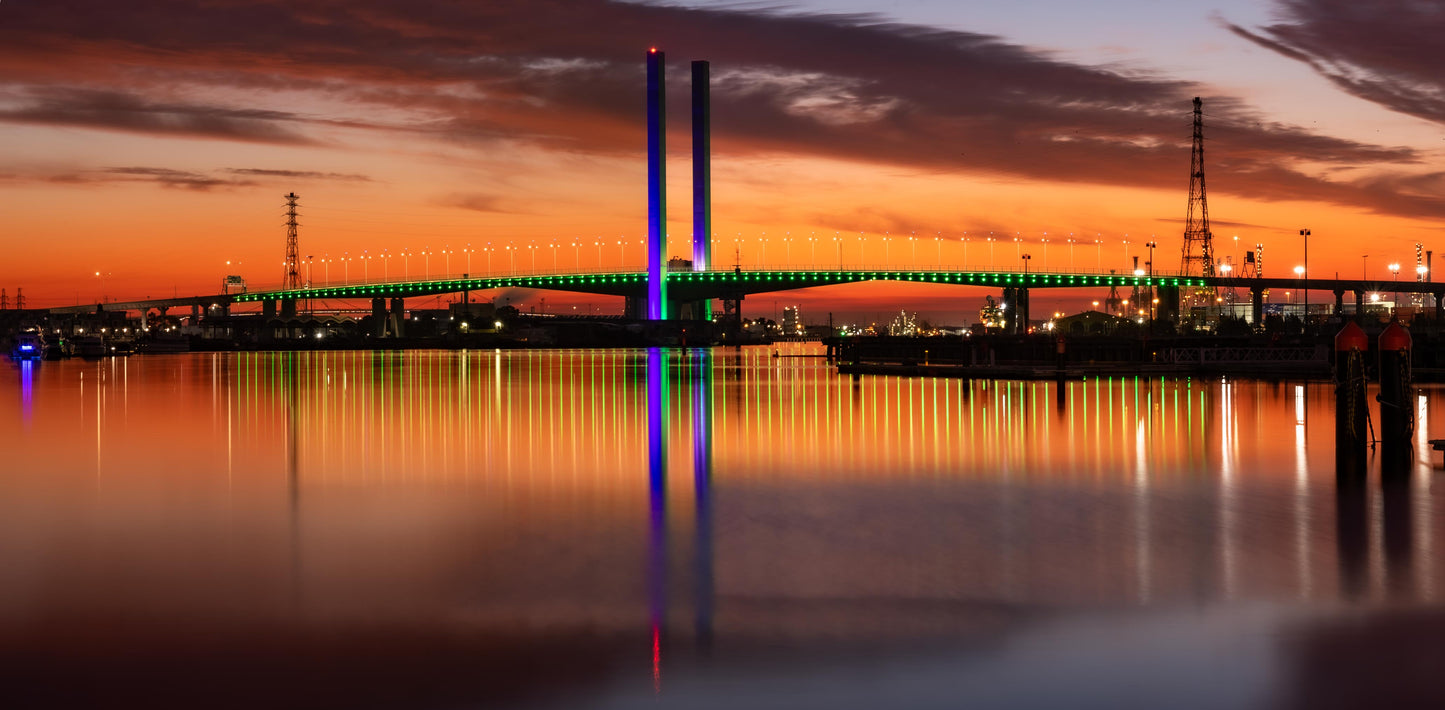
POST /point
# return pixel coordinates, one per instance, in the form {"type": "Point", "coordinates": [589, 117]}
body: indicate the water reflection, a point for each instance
{"type": "Point", "coordinates": [533, 495]}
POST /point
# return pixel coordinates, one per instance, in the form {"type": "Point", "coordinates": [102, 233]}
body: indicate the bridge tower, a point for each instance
{"type": "Point", "coordinates": [291, 279]}
{"type": "Point", "coordinates": [701, 178]}
{"type": "Point", "coordinates": [1198, 241]}
{"type": "Point", "coordinates": [656, 187]}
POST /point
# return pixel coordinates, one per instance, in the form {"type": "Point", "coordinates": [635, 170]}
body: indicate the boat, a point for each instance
{"type": "Point", "coordinates": [28, 345]}
{"type": "Point", "coordinates": [58, 350]}
{"type": "Point", "coordinates": [90, 346]}
{"type": "Point", "coordinates": [121, 347]}
{"type": "Point", "coordinates": [165, 344]}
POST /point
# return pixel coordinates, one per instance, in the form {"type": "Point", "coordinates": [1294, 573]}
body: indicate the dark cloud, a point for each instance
{"type": "Point", "coordinates": [568, 76]}
{"type": "Point", "coordinates": [174, 178]}
{"type": "Point", "coordinates": [477, 202]}
{"type": "Point", "coordinates": [113, 110]}
{"type": "Point", "coordinates": [298, 174]}
{"type": "Point", "coordinates": [1385, 51]}
{"type": "Point", "coordinates": [164, 176]}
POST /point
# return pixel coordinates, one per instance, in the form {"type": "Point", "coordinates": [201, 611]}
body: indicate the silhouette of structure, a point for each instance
{"type": "Point", "coordinates": [1198, 241]}
{"type": "Point", "coordinates": [291, 280]}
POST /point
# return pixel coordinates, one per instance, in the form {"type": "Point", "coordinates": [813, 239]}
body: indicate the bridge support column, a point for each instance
{"type": "Point", "coordinates": [1256, 306]}
{"type": "Point", "coordinates": [398, 316]}
{"type": "Point", "coordinates": [195, 315]}
{"type": "Point", "coordinates": [268, 309]}
{"type": "Point", "coordinates": [635, 307]}
{"type": "Point", "coordinates": [1011, 308]}
{"type": "Point", "coordinates": [1439, 309]}
{"type": "Point", "coordinates": [733, 319]}
{"type": "Point", "coordinates": [1340, 302]}
{"type": "Point", "coordinates": [1023, 298]}
{"type": "Point", "coordinates": [288, 308]}
{"type": "Point", "coordinates": [145, 320]}
{"type": "Point", "coordinates": [378, 317]}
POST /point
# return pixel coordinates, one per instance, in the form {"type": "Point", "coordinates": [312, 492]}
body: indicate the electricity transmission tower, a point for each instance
{"type": "Point", "coordinates": [1198, 241]}
{"type": "Point", "coordinates": [291, 279]}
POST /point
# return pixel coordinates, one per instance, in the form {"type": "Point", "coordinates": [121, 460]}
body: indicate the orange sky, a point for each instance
{"type": "Point", "coordinates": [154, 146]}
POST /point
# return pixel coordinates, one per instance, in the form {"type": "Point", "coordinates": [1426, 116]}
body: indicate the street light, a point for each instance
{"type": "Point", "coordinates": [1299, 273]}
{"type": "Point", "coordinates": [1306, 234]}
{"type": "Point", "coordinates": [1152, 298]}
{"type": "Point", "coordinates": [1395, 276]}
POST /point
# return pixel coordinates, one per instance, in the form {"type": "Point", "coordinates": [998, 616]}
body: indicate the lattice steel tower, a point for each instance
{"type": "Point", "coordinates": [291, 279]}
{"type": "Point", "coordinates": [1198, 242]}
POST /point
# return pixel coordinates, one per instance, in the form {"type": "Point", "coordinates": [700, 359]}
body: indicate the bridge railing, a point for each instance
{"type": "Point", "coordinates": [347, 282]}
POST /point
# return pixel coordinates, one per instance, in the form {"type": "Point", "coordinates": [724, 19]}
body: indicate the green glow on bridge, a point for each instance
{"type": "Point", "coordinates": [715, 284]}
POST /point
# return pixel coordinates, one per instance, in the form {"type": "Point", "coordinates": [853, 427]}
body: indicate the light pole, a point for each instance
{"type": "Point", "coordinates": [1305, 275]}
{"type": "Point", "coordinates": [1395, 276]}
{"type": "Point", "coordinates": [1152, 299]}
{"type": "Point", "coordinates": [1299, 273]}
{"type": "Point", "coordinates": [1364, 267]}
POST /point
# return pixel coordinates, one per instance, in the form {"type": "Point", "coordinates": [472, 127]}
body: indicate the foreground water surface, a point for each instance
{"type": "Point", "coordinates": [685, 528]}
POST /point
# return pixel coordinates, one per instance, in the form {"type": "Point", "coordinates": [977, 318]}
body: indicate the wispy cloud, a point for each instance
{"type": "Point", "coordinates": [1385, 51]}
{"type": "Point", "coordinates": [567, 76]}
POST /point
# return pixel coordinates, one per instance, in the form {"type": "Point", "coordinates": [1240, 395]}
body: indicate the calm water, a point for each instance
{"type": "Point", "coordinates": [700, 530]}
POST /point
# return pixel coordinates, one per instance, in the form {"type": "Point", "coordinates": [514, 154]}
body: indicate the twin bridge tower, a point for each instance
{"type": "Point", "coordinates": [659, 306]}
{"type": "Point", "coordinates": [1198, 256]}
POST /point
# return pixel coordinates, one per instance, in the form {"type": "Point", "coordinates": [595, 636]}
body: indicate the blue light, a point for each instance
{"type": "Point", "coordinates": [26, 347]}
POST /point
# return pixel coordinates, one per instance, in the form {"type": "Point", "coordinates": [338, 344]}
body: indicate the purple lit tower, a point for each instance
{"type": "Point", "coordinates": [656, 187]}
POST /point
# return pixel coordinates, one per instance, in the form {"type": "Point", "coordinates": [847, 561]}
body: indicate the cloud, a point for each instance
{"type": "Point", "coordinates": [165, 177]}
{"type": "Point", "coordinates": [1384, 51]}
{"type": "Point", "coordinates": [477, 202]}
{"type": "Point", "coordinates": [112, 110]}
{"type": "Point", "coordinates": [567, 76]}
{"type": "Point", "coordinates": [298, 174]}
{"type": "Point", "coordinates": [182, 179]}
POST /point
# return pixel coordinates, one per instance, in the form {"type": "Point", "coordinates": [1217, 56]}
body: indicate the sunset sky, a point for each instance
{"type": "Point", "coordinates": [151, 141]}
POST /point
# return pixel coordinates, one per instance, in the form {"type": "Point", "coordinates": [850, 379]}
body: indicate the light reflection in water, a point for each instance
{"type": "Point", "coordinates": [552, 488]}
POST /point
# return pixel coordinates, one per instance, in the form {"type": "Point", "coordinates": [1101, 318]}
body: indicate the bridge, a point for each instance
{"type": "Point", "coordinates": [690, 287]}
{"type": "Point", "coordinates": [664, 292]}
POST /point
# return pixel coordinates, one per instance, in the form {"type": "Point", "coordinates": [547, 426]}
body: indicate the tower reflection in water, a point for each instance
{"type": "Point", "coordinates": [517, 491]}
